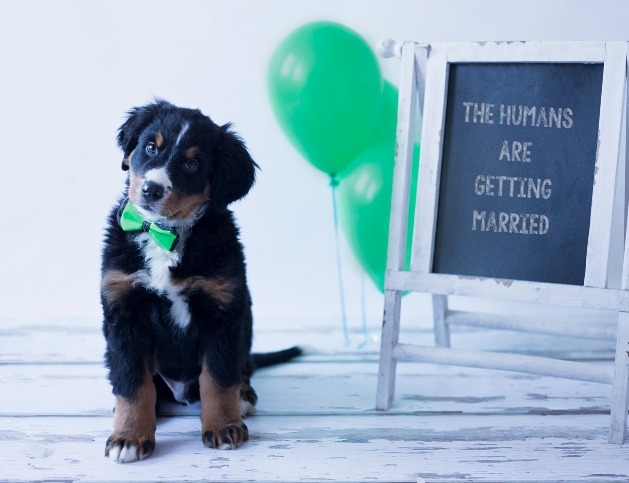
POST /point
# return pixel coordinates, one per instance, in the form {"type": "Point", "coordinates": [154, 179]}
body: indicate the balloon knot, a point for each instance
{"type": "Point", "coordinates": [334, 181]}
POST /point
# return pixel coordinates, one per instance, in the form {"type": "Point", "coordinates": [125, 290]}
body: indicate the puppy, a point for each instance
{"type": "Point", "coordinates": [177, 310]}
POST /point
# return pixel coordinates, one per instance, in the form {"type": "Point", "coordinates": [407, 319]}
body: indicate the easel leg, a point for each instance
{"type": "Point", "coordinates": [439, 311]}
{"type": "Point", "coordinates": [390, 337]}
{"type": "Point", "coordinates": [620, 391]}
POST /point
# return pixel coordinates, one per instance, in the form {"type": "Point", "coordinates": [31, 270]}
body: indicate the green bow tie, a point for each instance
{"type": "Point", "coordinates": [130, 219]}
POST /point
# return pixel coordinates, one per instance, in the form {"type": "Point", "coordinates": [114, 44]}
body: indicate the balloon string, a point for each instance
{"type": "Point", "coordinates": [339, 267]}
{"type": "Point", "coordinates": [363, 311]}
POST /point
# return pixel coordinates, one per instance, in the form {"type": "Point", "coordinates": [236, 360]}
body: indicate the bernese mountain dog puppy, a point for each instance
{"type": "Point", "coordinates": [177, 310]}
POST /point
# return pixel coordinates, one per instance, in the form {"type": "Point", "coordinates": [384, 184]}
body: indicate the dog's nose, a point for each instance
{"type": "Point", "coordinates": [152, 191]}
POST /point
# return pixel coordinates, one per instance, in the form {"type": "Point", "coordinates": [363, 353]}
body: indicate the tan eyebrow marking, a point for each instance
{"type": "Point", "coordinates": [192, 152]}
{"type": "Point", "coordinates": [159, 139]}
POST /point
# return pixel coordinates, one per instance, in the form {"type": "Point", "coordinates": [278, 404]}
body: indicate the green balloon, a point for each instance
{"type": "Point", "coordinates": [387, 117]}
{"type": "Point", "coordinates": [365, 194]}
{"type": "Point", "coordinates": [365, 208]}
{"type": "Point", "coordinates": [325, 89]}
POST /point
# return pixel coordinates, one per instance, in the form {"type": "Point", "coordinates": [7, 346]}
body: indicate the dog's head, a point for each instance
{"type": "Point", "coordinates": [179, 160]}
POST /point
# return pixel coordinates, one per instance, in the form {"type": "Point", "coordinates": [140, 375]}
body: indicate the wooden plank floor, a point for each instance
{"type": "Point", "coordinates": [315, 420]}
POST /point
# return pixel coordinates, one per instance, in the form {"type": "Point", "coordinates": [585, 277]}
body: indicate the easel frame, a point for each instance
{"type": "Point", "coordinates": [424, 69]}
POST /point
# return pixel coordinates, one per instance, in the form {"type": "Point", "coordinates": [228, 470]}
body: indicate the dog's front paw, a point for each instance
{"type": "Point", "coordinates": [229, 437]}
{"type": "Point", "coordinates": [125, 449]}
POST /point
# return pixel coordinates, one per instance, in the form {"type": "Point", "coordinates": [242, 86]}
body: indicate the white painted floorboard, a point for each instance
{"type": "Point", "coordinates": [315, 419]}
{"type": "Point", "coordinates": [327, 448]}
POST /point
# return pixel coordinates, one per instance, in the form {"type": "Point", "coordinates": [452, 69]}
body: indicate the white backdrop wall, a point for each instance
{"type": "Point", "coordinates": [70, 69]}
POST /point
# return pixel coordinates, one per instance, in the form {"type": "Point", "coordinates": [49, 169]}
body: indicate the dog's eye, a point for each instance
{"type": "Point", "coordinates": [191, 165]}
{"type": "Point", "coordinates": [151, 149]}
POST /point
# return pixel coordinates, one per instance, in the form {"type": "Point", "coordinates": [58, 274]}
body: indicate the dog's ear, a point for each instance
{"type": "Point", "coordinates": [234, 169]}
{"type": "Point", "coordinates": [138, 119]}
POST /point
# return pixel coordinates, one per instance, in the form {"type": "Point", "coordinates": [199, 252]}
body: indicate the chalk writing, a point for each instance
{"type": "Point", "coordinates": [519, 151]}
{"type": "Point", "coordinates": [518, 115]}
{"type": "Point", "coordinates": [524, 223]}
{"type": "Point", "coordinates": [513, 186]}
{"type": "Point", "coordinates": [516, 151]}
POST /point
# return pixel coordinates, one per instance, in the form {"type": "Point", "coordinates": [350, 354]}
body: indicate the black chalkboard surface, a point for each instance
{"type": "Point", "coordinates": [517, 170]}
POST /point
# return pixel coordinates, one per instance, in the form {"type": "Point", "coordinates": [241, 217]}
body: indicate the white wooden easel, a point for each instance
{"type": "Point", "coordinates": [424, 70]}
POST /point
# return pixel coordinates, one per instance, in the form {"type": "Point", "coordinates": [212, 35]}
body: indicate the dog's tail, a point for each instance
{"type": "Point", "coordinates": [265, 359]}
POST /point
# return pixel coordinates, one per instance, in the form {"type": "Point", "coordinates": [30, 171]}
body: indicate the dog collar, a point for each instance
{"type": "Point", "coordinates": [130, 219]}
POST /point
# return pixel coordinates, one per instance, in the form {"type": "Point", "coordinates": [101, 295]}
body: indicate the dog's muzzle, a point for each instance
{"type": "Point", "coordinates": [152, 191]}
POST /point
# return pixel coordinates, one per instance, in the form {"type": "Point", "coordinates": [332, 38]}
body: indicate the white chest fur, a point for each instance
{"type": "Point", "coordinates": [159, 262]}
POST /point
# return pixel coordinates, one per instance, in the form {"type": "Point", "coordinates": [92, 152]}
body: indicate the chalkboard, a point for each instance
{"type": "Point", "coordinates": [517, 174]}
{"type": "Point", "coordinates": [520, 153]}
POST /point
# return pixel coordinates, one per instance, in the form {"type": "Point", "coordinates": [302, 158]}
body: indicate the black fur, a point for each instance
{"type": "Point", "coordinates": [138, 323]}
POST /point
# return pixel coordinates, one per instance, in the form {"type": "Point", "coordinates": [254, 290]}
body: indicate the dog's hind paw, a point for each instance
{"type": "Point", "coordinates": [248, 399]}
{"type": "Point", "coordinates": [228, 437]}
{"type": "Point", "coordinates": [123, 449]}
